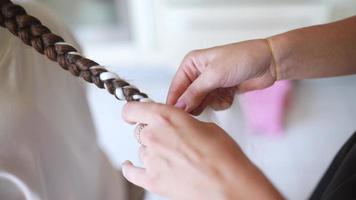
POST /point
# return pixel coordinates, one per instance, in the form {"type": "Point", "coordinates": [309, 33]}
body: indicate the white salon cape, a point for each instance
{"type": "Point", "coordinates": [48, 145]}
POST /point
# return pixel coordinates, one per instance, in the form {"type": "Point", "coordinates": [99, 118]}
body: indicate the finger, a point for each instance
{"type": "Point", "coordinates": [145, 136]}
{"type": "Point", "coordinates": [185, 75]}
{"type": "Point", "coordinates": [255, 84]}
{"type": "Point", "coordinates": [219, 99]}
{"type": "Point", "coordinates": [146, 113]}
{"type": "Point", "coordinates": [149, 156]}
{"type": "Point", "coordinates": [156, 141]}
{"type": "Point", "coordinates": [223, 98]}
{"type": "Point", "coordinates": [155, 137]}
{"type": "Point", "coordinates": [206, 102]}
{"type": "Point", "coordinates": [135, 175]}
{"type": "Point", "coordinates": [194, 95]}
{"type": "Point", "coordinates": [138, 133]}
{"type": "Point", "coordinates": [143, 154]}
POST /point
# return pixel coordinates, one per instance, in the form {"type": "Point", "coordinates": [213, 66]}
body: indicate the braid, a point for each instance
{"type": "Point", "coordinates": [30, 30]}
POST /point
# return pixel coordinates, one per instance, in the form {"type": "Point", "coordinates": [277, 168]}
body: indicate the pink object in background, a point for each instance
{"type": "Point", "coordinates": [265, 109]}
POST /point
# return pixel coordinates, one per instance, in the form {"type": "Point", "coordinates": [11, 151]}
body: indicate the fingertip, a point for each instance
{"type": "Point", "coordinates": [142, 112]}
{"type": "Point", "coordinates": [125, 166]}
{"type": "Point", "coordinates": [188, 102]}
{"type": "Point", "coordinates": [197, 92]}
{"type": "Point", "coordinates": [181, 104]}
{"type": "Point", "coordinates": [127, 162]}
{"type": "Point", "coordinates": [125, 113]}
{"type": "Point", "coordinates": [185, 105]}
{"type": "Point", "coordinates": [180, 82]}
{"type": "Point", "coordinates": [133, 174]}
{"type": "Point", "coordinates": [132, 111]}
{"type": "Point", "coordinates": [170, 100]}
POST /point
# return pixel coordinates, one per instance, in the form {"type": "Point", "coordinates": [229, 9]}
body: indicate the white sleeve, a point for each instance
{"type": "Point", "coordinates": [13, 188]}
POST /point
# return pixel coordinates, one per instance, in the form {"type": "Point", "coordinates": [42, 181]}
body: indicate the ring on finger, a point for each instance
{"type": "Point", "coordinates": [138, 131]}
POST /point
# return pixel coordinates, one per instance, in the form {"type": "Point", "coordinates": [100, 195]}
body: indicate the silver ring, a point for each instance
{"type": "Point", "coordinates": [138, 130]}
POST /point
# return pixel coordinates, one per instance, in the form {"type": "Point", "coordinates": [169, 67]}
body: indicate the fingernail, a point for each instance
{"type": "Point", "coordinates": [127, 162]}
{"type": "Point", "coordinates": [180, 105]}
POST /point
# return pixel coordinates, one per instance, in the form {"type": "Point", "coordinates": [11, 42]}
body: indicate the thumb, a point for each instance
{"type": "Point", "coordinates": [134, 174]}
{"type": "Point", "coordinates": [196, 92]}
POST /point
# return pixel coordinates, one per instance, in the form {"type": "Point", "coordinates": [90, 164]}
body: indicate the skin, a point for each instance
{"type": "Point", "coordinates": [199, 157]}
{"type": "Point", "coordinates": [185, 158]}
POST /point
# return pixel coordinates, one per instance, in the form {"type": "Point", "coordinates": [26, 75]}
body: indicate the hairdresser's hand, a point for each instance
{"type": "Point", "coordinates": [212, 76]}
{"type": "Point", "coordinates": [185, 158]}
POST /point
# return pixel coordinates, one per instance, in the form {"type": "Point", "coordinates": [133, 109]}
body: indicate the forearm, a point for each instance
{"type": "Point", "coordinates": [317, 51]}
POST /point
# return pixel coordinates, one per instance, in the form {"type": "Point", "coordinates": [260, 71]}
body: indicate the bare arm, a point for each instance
{"type": "Point", "coordinates": [317, 51]}
{"type": "Point", "coordinates": [212, 76]}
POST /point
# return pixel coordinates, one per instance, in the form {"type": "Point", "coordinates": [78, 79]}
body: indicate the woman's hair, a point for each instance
{"type": "Point", "coordinates": [30, 30]}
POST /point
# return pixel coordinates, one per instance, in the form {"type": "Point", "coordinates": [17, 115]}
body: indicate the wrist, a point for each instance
{"type": "Point", "coordinates": [249, 182]}
{"type": "Point", "coordinates": [273, 65]}
{"type": "Point", "coordinates": [280, 49]}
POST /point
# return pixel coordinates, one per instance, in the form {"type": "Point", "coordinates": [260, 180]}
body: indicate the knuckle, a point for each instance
{"type": "Point", "coordinates": [159, 113]}
{"type": "Point", "coordinates": [215, 75]}
{"type": "Point", "coordinates": [163, 119]}
{"type": "Point", "coordinates": [193, 91]}
{"type": "Point", "coordinates": [193, 53]}
{"type": "Point", "coordinates": [150, 139]}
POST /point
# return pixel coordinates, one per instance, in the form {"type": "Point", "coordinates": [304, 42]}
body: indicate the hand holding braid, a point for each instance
{"type": "Point", "coordinates": [33, 33]}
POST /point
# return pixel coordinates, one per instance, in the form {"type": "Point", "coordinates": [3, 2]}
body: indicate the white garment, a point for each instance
{"type": "Point", "coordinates": [48, 146]}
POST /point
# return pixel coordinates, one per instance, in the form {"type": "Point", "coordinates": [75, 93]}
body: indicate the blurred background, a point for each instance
{"type": "Point", "coordinates": [144, 41]}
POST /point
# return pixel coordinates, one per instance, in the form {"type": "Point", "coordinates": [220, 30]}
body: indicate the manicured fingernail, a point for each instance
{"type": "Point", "coordinates": [180, 105]}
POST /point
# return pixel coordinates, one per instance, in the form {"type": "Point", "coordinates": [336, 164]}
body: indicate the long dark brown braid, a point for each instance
{"type": "Point", "coordinates": [33, 33]}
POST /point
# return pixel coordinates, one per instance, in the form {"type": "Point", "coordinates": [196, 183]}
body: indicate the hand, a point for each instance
{"type": "Point", "coordinates": [185, 158]}
{"type": "Point", "coordinates": [213, 76]}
